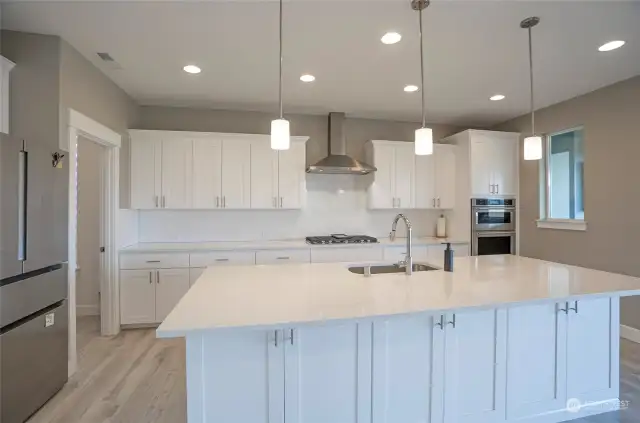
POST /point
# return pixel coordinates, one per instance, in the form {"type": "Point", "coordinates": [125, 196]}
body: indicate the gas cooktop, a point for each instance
{"type": "Point", "coordinates": [341, 239]}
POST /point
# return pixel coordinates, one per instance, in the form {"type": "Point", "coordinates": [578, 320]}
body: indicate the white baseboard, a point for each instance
{"type": "Point", "coordinates": [87, 310]}
{"type": "Point", "coordinates": [632, 334]}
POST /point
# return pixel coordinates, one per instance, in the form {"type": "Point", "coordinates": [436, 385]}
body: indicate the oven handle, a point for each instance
{"type": "Point", "coordinates": [485, 234]}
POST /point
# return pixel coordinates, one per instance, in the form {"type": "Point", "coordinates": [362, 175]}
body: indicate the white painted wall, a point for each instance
{"type": "Point", "coordinates": [90, 174]}
{"type": "Point", "coordinates": [335, 204]}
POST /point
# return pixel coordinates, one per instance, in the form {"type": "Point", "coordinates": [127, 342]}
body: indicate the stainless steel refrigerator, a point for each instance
{"type": "Point", "coordinates": [33, 277]}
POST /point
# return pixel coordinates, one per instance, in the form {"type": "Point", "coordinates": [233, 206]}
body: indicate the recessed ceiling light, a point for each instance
{"type": "Point", "coordinates": [611, 45]}
{"type": "Point", "coordinates": [391, 38]}
{"type": "Point", "coordinates": [192, 69]}
{"type": "Point", "coordinates": [496, 97]}
{"type": "Point", "coordinates": [307, 78]}
{"type": "Point", "coordinates": [411, 88]}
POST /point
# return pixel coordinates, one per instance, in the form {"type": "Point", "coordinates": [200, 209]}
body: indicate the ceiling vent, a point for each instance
{"type": "Point", "coordinates": [109, 62]}
{"type": "Point", "coordinates": [106, 57]}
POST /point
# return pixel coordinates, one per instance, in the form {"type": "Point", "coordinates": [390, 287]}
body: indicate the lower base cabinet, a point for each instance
{"type": "Point", "coordinates": [519, 363]}
{"type": "Point", "coordinates": [148, 296]}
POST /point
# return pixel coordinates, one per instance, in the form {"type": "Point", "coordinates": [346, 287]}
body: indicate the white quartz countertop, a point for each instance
{"type": "Point", "coordinates": [157, 247]}
{"type": "Point", "coordinates": [281, 295]}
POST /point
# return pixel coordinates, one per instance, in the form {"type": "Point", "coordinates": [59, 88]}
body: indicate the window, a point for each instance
{"type": "Point", "coordinates": [562, 177]}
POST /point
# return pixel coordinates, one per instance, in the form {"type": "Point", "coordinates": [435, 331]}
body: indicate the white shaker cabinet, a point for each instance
{"type": "Point", "coordinates": [236, 174]}
{"type": "Point", "coordinates": [291, 176]}
{"type": "Point", "coordinates": [475, 366]}
{"type": "Point", "coordinates": [393, 182]}
{"type": "Point", "coordinates": [177, 162]}
{"type": "Point", "coordinates": [407, 360]}
{"type": "Point", "coordinates": [494, 163]}
{"type": "Point", "coordinates": [146, 171]}
{"type": "Point", "coordinates": [137, 296]}
{"type": "Point", "coordinates": [171, 285]}
{"type": "Point", "coordinates": [328, 373]}
{"type": "Point", "coordinates": [207, 173]}
{"type": "Point", "coordinates": [435, 178]}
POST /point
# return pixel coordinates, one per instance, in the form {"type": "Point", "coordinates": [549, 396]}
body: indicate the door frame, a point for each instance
{"type": "Point", "coordinates": [81, 125]}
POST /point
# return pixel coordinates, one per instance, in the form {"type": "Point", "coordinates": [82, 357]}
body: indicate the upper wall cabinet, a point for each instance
{"type": "Point", "coordinates": [394, 181]}
{"type": "Point", "coordinates": [160, 171]}
{"type": "Point", "coordinates": [435, 185]}
{"type": "Point", "coordinates": [214, 171]}
{"type": "Point", "coordinates": [494, 163]}
{"type": "Point", "coordinates": [5, 68]}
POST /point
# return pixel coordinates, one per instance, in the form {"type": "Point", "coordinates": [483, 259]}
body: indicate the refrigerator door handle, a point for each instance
{"type": "Point", "coordinates": [22, 205]}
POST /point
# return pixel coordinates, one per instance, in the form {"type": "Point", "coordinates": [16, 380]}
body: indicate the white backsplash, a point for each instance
{"type": "Point", "coordinates": [335, 204]}
{"type": "Point", "coordinates": [127, 227]}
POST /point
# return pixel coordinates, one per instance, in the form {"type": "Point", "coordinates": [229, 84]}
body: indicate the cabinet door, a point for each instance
{"type": "Point", "coordinates": [318, 356]}
{"type": "Point", "coordinates": [236, 174]}
{"type": "Point", "coordinates": [537, 360]}
{"type": "Point", "coordinates": [405, 174]}
{"type": "Point", "coordinates": [475, 367]}
{"type": "Point", "coordinates": [382, 190]}
{"type": "Point", "coordinates": [207, 173]}
{"type": "Point", "coordinates": [407, 358]}
{"type": "Point", "coordinates": [146, 164]}
{"type": "Point", "coordinates": [177, 159]}
{"type": "Point", "coordinates": [264, 175]}
{"type": "Point", "coordinates": [194, 274]}
{"type": "Point", "coordinates": [445, 176]}
{"type": "Point", "coordinates": [171, 285]}
{"type": "Point", "coordinates": [425, 191]}
{"type": "Point", "coordinates": [137, 296]}
{"type": "Point", "coordinates": [592, 350]}
{"type": "Point", "coordinates": [505, 166]}
{"type": "Point", "coordinates": [481, 151]}
{"type": "Point", "coordinates": [241, 378]}
{"type": "Point", "coordinates": [291, 176]}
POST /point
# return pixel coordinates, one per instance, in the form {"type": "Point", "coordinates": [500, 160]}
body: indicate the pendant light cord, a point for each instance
{"type": "Point", "coordinates": [280, 96]}
{"type": "Point", "coordinates": [424, 116]}
{"type": "Point", "coordinates": [533, 121]}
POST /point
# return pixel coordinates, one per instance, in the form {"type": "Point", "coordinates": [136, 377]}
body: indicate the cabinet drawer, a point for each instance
{"type": "Point", "coordinates": [395, 253]}
{"type": "Point", "coordinates": [283, 256]}
{"type": "Point", "coordinates": [154, 261]}
{"type": "Point", "coordinates": [336, 255]}
{"type": "Point", "coordinates": [222, 258]}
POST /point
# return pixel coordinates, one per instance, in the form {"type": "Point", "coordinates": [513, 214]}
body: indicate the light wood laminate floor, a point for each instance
{"type": "Point", "coordinates": [136, 378]}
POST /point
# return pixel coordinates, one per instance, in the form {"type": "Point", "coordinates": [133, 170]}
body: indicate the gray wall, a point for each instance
{"type": "Point", "coordinates": [86, 89]}
{"type": "Point", "coordinates": [611, 185]}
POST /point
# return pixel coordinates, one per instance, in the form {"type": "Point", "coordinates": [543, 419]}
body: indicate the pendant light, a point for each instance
{"type": "Point", "coordinates": [280, 138]}
{"type": "Point", "coordinates": [424, 136]}
{"type": "Point", "coordinates": [532, 143]}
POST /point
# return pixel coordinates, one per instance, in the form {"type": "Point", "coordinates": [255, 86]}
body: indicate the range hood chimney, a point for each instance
{"type": "Point", "coordinates": [337, 162]}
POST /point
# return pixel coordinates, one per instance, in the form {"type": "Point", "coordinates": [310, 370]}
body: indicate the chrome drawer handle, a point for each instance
{"type": "Point", "coordinates": [283, 258]}
{"type": "Point", "coordinates": [153, 261]}
{"type": "Point", "coordinates": [223, 259]}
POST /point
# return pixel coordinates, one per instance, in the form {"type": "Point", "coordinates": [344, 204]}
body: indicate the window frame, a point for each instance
{"type": "Point", "coordinates": [545, 221]}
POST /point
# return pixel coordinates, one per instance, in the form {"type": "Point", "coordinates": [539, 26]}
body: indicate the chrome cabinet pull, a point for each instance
{"type": "Point", "coordinates": [164, 202]}
{"type": "Point", "coordinates": [438, 202]}
{"type": "Point", "coordinates": [574, 308]}
{"type": "Point", "coordinates": [158, 276]}
{"type": "Point", "coordinates": [222, 259]}
{"type": "Point", "coordinates": [150, 277]}
{"type": "Point", "coordinates": [217, 201]}
{"type": "Point", "coordinates": [453, 322]}
{"type": "Point", "coordinates": [497, 188]}
{"type": "Point", "coordinates": [290, 338]}
{"type": "Point", "coordinates": [283, 258]}
{"type": "Point", "coordinates": [275, 338]}
{"type": "Point", "coordinates": [434, 202]}
{"type": "Point", "coordinates": [156, 201]}
{"type": "Point", "coordinates": [440, 324]}
{"type": "Point", "coordinates": [153, 261]}
{"type": "Point", "coordinates": [565, 309]}
{"type": "Point", "coordinates": [280, 202]}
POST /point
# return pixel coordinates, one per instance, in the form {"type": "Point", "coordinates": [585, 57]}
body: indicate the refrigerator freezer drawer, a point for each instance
{"type": "Point", "coordinates": [33, 362]}
{"type": "Point", "coordinates": [32, 292]}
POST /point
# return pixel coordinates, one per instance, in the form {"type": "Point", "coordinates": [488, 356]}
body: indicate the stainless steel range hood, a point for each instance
{"type": "Point", "coordinates": [337, 162]}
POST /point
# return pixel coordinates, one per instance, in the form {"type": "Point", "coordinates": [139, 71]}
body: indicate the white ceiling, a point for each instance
{"type": "Point", "coordinates": [474, 49]}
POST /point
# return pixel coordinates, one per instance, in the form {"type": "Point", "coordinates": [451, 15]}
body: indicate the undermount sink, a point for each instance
{"type": "Point", "coordinates": [389, 268]}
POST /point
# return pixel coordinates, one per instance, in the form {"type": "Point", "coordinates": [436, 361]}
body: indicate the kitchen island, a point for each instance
{"type": "Point", "coordinates": [502, 338]}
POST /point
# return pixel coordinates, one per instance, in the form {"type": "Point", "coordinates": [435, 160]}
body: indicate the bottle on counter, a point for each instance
{"type": "Point", "coordinates": [441, 227]}
{"type": "Point", "coordinates": [448, 258]}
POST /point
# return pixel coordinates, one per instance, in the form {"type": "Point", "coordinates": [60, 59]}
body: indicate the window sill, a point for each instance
{"type": "Point", "coordinates": [562, 224]}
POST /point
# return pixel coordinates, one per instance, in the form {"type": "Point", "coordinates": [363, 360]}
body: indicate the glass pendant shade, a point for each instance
{"type": "Point", "coordinates": [280, 138]}
{"type": "Point", "coordinates": [533, 148]}
{"type": "Point", "coordinates": [424, 142]}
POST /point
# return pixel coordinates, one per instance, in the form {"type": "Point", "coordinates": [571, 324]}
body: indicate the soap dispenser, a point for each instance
{"type": "Point", "coordinates": [448, 258]}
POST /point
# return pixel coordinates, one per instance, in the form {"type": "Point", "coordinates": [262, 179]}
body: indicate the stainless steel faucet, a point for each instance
{"type": "Point", "coordinates": [408, 260]}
